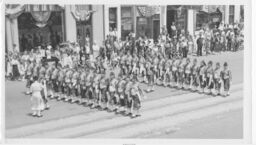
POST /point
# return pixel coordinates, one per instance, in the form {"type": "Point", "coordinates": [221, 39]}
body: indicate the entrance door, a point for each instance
{"type": "Point", "coordinates": [156, 29]}
{"type": "Point", "coordinates": [171, 16]}
{"type": "Point", "coordinates": [84, 30]}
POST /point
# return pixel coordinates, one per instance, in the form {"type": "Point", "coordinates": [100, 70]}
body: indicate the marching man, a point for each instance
{"type": "Point", "coordinates": [217, 79]}
{"type": "Point", "coordinates": [226, 78]}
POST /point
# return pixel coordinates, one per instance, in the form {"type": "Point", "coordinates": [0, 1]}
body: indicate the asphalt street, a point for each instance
{"type": "Point", "coordinates": [182, 114]}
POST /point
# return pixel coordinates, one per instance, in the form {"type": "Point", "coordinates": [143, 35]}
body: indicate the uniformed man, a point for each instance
{"type": "Point", "coordinates": [202, 77]}
{"type": "Point", "coordinates": [226, 78]}
{"type": "Point", "coordinates": [83, 86]}
{"type": "Point", "coordinates": [60, 82]}
{"type": "Point", "coordinates": [187, 77]}
{"type": "Point", "coordinates": [112, 99]}
{"type": "Point", "coordinates": [75, 86]}
{"type": "Point", "coordinates": [209, 79]}
{"type": "Point", "coordinates": [103, 91]}
{"type": "Point", "coordinates": [121, 93]}
{"type": "Point", "coordinates": [194, 83]}
{"type": "Point", "coordinates": [217, 79]}
{"type": "Point", "coordinates": [29, 76]}
{"type": "Point", "coordinates": [127, 96]}
{"type": "Point", "coordinates": [135, 99]}
{"type": "Point", "coordinates": [54, 79]}
{"type": "Point", "coordinates": [96, 90]}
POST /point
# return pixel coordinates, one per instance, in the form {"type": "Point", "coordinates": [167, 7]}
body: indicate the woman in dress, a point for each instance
{"type": "Point", "coordinates": [36, 98]}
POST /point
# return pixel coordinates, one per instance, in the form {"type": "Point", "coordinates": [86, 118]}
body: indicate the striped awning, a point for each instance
{"type": "Point", "coordinates": [30, 8]}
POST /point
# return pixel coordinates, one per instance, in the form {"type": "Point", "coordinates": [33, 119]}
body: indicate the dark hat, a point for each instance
{"type": "Point", "coordinates": [225, 64]}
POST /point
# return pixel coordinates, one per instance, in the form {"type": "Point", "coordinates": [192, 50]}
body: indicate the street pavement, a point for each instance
{"type": "Point", "coordinates": [165, 113]}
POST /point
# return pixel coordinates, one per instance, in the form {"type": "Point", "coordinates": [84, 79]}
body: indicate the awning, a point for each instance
{"type": "Point", "coordinates": [147, 11]}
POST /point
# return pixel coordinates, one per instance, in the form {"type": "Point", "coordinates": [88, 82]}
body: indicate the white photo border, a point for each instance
{"type": "Point", "coordinates": [247, 91]}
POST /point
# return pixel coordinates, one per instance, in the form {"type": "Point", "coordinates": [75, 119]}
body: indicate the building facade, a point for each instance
{"type": "Point", "coordinates": [28, 26]}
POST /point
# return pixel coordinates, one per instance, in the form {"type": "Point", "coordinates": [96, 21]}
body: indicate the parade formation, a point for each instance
{"type": "Point", "coordinates": [109, 77]}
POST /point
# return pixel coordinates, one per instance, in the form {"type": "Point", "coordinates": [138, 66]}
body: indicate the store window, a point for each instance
{"type": "Point", "coordinates": [126, 21]}
{"type": "Point", "coordinates": [231, 14]}
{"type": "Point", "coordinates": [112, 18]}
{"type": "Point", "coordinates": [241, 13]}
{"type": "Point", "coordinates": [202, 20]}
{"type": "Point", "coordinates": [181, 18]}
{"type": "Point", "coordinates": [144, 27]}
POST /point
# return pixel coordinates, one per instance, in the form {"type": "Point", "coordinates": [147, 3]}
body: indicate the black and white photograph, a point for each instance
{"type": "Point", "coordinates": [124, 71]}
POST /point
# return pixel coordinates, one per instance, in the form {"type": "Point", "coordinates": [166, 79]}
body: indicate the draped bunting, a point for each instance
{"type": "Point", "coordinates": [33, 8]}
{"type": "Point", "coordinates": [41, 17]}
{"type": "Point", "coordinates": [213, 8]}
{"type": "Point", "coordinates": [81, 14]}
{"type": "Point", "coordinates": [13, 11]}
{"type": "Point", "coordinates": [148, 11]}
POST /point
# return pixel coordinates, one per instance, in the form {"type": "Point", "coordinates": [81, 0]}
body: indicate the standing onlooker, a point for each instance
{"type": "Point", "coordinates": [173, 30]}
{"type": "Point", "coordinates": [199, 45]}
{"type": "Point", "coordinates": [15, 68]}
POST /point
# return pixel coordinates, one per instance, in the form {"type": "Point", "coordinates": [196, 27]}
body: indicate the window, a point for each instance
{"type": "Point", "coordinates": [112, 18]}
{"type": "Point", "coordinates": [126, 21]}
{"type": "Point", "coordinates": [241, 13]}
{"type": "Point", "coordinates": [231, 14]}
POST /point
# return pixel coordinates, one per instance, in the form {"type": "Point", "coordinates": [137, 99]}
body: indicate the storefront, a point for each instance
{"type": "Point", "coordinates": [29, 26]}
{"type": "Point", "coordinates": [40, 27]}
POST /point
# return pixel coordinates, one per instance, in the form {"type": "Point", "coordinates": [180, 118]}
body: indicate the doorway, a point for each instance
{"type": "Point", "coordinates": [170, 18]}
{"type": "Point", "coordinates": [84, 32]}
{"type": "Point", "coordinates": [156, 29]}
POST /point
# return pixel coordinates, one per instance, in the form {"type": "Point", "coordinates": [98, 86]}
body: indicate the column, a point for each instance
{"type": "Point", "coordinates": [63, 26]}
{"type": "Point", "coordinates": [194, 17]}
{"type": "Point", "coordinates": [162, 17]}
{"type": "Point", "coordinates": [15, 33]}
{"type": "Point", "coordinates": [119, 21]}
{"type": "Point", "coordinates": [134, 12]}
{"type": "Point", "coordinates": [237, 14]}
{"type": "Point", "coordinates": [70, 24]}
{"type": "Point", "coordinates": [106, 20]}
{"type": "Point", "coordinates": [8, 35]}
{"type": "Point", "coordinates": [226, 14]}
{"type": "Point", "coordinates": [98, 24]}
{"type": "Point", "coordinates": [190, 20]}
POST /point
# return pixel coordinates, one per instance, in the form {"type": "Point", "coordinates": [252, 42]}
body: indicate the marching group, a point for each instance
{"type": "Point", "coordinates": [110, 79]}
